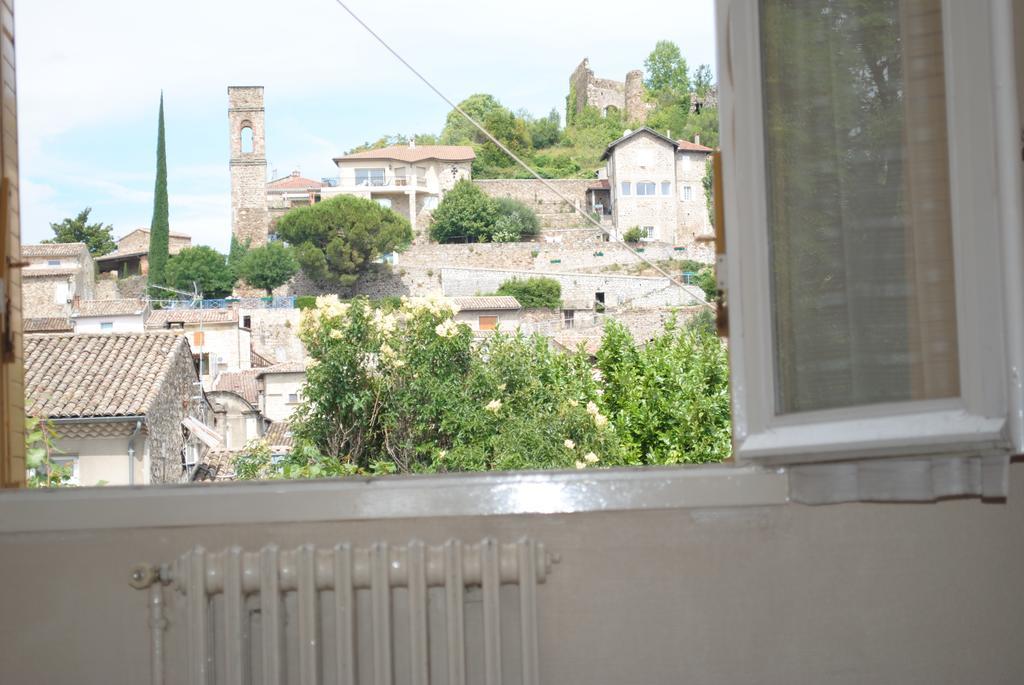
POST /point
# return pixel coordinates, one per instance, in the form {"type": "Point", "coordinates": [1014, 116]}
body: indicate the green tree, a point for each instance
{"type": "Point", "coordinates": [702, 80]}
{"type": "Point", "coordinates": [337, 239]}
{"type": "Point", "coordinates": [667, 75]}
{"type": "Point", "coordinates": [458, 131]}
{"type": "Point", "coordinates": [159, 233]}
{"type": "Point", "coordinates": [40, 446]}
{"type": "Point", "coordinates": [268, 267]}
{"type": "Point", "coordinates": [514, 218]}
{"type": "Point", "coordinates": [395, 139]}
{"type": "Point", "coordinates": [534, 293]}
{"type": "Point", "coordinates": [466, 213]}
{"type": "Point", "coordinates": [236, 253]}
{"type": "Point", "coordinates": [96, 236]}
{"type": "Point", "coordinates": [203, 266]}
{"type": "Point", "coordinates": [546, 132]}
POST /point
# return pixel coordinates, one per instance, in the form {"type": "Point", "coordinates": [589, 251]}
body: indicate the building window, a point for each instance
{"type": "Point", "coordinates": [648, 232]}
{"type": "Point", "coordinates": [106, 325]}
{"type": "Point", "coordinates": [370, 177]}
{"type": "Point", "coordinates": [53, 262]}
{"type": "Point", "coordinates": [271, 237]}
{"type": "Point", "coordinates": [687, 193]}
{"type": "Point", "coordinates": [60, 293]}
{"type": "Point", "coordinates": [666, 187]}
{"type": "Point", "coordinates": [384, 202]}
{"type": "Point", "coordinates": [293, 398]}
{"type": "Point", "coordinates": [598, 302]}
{"type": "Point", "coordinates": [488, 323]}
{"type": "Point", "coordinates": [247, 140]}
{"type": "Point", "coordinates": [568, 316]}
{"type": "Point", "coordinates": [202, 362]}
{"type": "Point", "coordinates": [70, 464]}
{"type": "Point", "coordinates": [430, 202]}
{"type": "Point", "coordinates": [247, 321]}
{"type": "Point", "coordinates": [625, 187]}
{"type": "Point", "coordinates": [645, 188]}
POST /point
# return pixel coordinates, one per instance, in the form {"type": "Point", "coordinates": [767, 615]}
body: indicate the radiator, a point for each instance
{"type": "Point", "coordinates": [381, 614]}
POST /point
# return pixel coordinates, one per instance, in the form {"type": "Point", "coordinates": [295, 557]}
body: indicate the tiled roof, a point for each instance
{"type": "Point", "coordinates": [53, 324]}
{"type": "Point", "coordinates": [293, 182]}
{"type": "Point", "coordinates": [117, 254]}
{"type": "Point", "coordinates": [159, 318]}
{"type": "Point", "coordinates": [279, 434]}
{"type": "Point", "coordinates": [600, 184]}
{"type": "Point", "coordinates": [109, 307]}
{"type": "Point", "coordinates": [690, 146]}
{"type": "Point", "coordinates": [50, 272]}
{"type": "Point", "coordinates": [116, 374]}
{"type": "Point", "coordinates": [144, 229]}
{"type": "Point", "coordinates": [219, 464]}
{"type": "Point", "coordinates": [482, 302]}
{"type": "Point", "coordinates": [53, 250]}
{"type": "Point", "coordinates": [283, 367]}
{"type": "Point", "coordinates": [419, 153]}
{"type": "Point", "coordinates": [630, 134]}
{"type": "Point", "coordinates": [242, 383]}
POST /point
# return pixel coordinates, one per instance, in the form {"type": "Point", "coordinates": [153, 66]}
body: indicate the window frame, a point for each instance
{"type": "Point", "coordinates": [106, 326]}
{"type": "Point", "coordinates": [644, 185]}
{"type": "Point", "coordinates": [687, 193]}
{"type": "Point", "coordinates": [974, 423]}
{"type": "Point", "coordinates": [626, 189]}
{"type": "Point", "coordinates": [666, 188]}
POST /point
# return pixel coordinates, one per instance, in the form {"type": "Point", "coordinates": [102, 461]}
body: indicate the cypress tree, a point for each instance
{"type": "Point", "coordinates": [159, 229]}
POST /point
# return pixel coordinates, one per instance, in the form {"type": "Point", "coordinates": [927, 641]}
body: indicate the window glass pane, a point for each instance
{"type": "Point", "coordinates": [858, 202]}
{"type": "Point", "coordinates": [625, 187]}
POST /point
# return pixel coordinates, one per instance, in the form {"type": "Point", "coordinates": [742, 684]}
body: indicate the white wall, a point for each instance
{"type": "Point", "coordinates": [104, 459]}
{"type": "Point", "coordinates": [276, 389]}
{"type": "Point", "coordinates": [122, 324]}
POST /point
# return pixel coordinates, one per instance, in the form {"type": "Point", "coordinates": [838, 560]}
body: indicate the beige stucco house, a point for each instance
{"type": "Point", "coordinates": [410, 179]}
{"type": "Point", "coordinates": [236, 411]}
{"type": "Point", "coordinates": [54, 276]}
{"type": "Point", "coordinates": [289, 192]}
{"type": "Point", "coordinates": [487, 313]}
{"type": "Point", "coordinates": [126, 407]}
{"type": "Point", "coordinates": [280, 389]}
{"type": "Point", "coordinates": [656, 184]}
{"type": "Point", "coordinates": [218, 343]}
{"type": "Point", "coordinates": [126, 315]}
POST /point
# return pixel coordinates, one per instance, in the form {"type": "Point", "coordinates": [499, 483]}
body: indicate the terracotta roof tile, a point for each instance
{"type": "Point", "coordinates": [483, 302]}
{"type": "Point", "coordinates": [109, 307]}
{"type": "Point", "coordinates": [279, 434]}
{"type": "Point", "coordinates": [160, 318]}
{"type": "Point", "coordinates": [53, 250]}
{"type": "Point", "coordinates": [117, 374]}
{"type": "Point", "coordinates": [283, 367]}
{"type": "Point", "coordinates": [53, 324]}
{"type": "Point", "coordinates": [242, 383]}
{"type": "Point", "coordinates": [293, 182]}
{"type": "Point", "coordinates": [50, 272]}
{"type": "Point", "coordinates": [690, 146]}
{"type": "Point", "coordinates": [405, 153]}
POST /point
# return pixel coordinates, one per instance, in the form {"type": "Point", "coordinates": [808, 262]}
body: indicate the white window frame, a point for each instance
{"type": "Point", "coordinates": [625, 189]}
{"type": "Point", "coordinates": [644, 184]}
{"type": "Point", "coordinates": [648, 232]}
{"type": "Point", "coordinates": [666, 187]}
{"type": "Point", "coordinates": [687, 193]}
{"type": "Point", "coordinates": [61, 292]}
{"type": "Point", "coordinates": [106, 326]}
{"type": "Point", "coordinates": [974, 424]}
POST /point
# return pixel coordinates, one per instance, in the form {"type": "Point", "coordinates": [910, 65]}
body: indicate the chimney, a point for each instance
{"type": "Point", "coordinates": [696, 139]}
{"type": "Point", "coordinates": [412, 142]}
{"type": "Point", "coordinates": [295, 174]}
{"type": "Point", "coordinates": [668, 133]}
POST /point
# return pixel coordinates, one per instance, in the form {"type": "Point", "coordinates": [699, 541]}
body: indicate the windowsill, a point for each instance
{"type": "Point", "coordinates": [354, 499]}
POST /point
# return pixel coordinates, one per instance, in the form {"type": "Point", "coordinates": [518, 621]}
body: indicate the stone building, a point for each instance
{"type": "Point", "coordinates": [249, 212]}
{"type": "Point", "coordinates": [280, 389]}
{"type": "Point", "coordinates": [219, 344]}
{"type": "Point", "coordinates": [127, 408]}
{"type": "Point", "coordinates": [656, 185]}
{"type": "Point", "coordinates": [410, 179]}
{"type": "Point", "coordinates": [487, 313]}
{"type": "Point", "coordinates": [131, 258]}
{"type": "Point", "coordinates": [587, 90]}
{"type": "Point", "coordinates": [55, 275]}
{"type": "Point", "coordinates": [236, 413]}
{"type": "Point", "coordinates": [126, 315]}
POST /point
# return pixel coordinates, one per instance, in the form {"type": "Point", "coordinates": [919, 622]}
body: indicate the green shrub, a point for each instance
{"type": "Point", "coordinates": [466, 214]}
{"type": "Point", "coordinates": [633, 235]}
{"type": "Point", "coordinates": [518, 214]}
{"type": "Point", "coordinates": [534, 293]}
{"type": "Point", "coordinates": [305, 301]}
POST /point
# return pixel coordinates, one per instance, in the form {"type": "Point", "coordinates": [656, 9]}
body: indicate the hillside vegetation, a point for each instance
{"type": "Point", "coordinates": [574, 150]}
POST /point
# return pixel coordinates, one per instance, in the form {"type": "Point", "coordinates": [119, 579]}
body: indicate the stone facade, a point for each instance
{"type": "Point", "coordinates": [54, 277]}
{"type": "Point", "coordinates": [579, 290]}
{"type": "Point", "coordinates": [138, 241]}
{"type": "Point", "coordinates": [179, 397]}
{"type": "Point", "coordinates": [249, 213]}
{"type": "Point", "coordinates": [274, 332]}
{"type": "Point", "coordinates": [551, 209]}
{"type": "Point", "coordinates": [605, 94]}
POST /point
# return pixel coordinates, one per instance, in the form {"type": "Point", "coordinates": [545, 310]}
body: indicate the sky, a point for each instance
{"type": "Point", "coordinates": [90, 76]}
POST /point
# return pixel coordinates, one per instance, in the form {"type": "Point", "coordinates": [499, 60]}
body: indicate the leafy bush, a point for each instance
{"type": "Point", "coordinates": [465, 213]}
{"type": "Point", "coordinates": [408, 391]}
{"type": "Point", "coordinates": [519, 214]}
{"type": "Point", "coordinates": [305, 301]}
{"type": "Point", "coordinates": [633, 235]}
{"type": "Point", "coordinates": [534, 293]}
{"type": "Point", "coordinates": [337, 239]}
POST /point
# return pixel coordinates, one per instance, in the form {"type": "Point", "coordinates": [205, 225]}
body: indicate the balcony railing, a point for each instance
{"type": "Point", "coordinates": [227, 302]}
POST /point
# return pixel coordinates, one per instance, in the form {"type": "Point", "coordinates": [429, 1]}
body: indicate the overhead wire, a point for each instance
{"type": "Point", "coordinates": [510, 153]}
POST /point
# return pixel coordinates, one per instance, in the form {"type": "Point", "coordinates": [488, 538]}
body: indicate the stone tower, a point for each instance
{"type": "Point", "coordinates": [636, 106]}
{"type": "Point", "coordinates": [249, 217]}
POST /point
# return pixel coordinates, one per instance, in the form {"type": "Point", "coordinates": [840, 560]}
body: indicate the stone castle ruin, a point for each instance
{"type": "Point", "coordinates": [249, 217]}
{"type": "Point", "coordinates": [627, 97]}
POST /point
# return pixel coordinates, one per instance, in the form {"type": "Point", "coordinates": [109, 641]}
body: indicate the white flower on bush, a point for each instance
{"type": "Point", "coordinates": [336, 334]}
{"type": "Point", "coordinates": [581, 464]}
{"type": "Point", "coordinates": [447, 328]}
{"type": "Point", "coordinates": [384, 323]}
{"type": "Point", "coordinates": [569, 444]}
{"type": "Point", "coordinates": [493, 406]}
{"type": "Point", "coordinates": [600, 420]}
{"type": "Point", "coordinates": [591, 458]}
{"type": "Point", "coordinates": [574, 403]}
{"type": "Point", "coordinates": [592, 409]}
